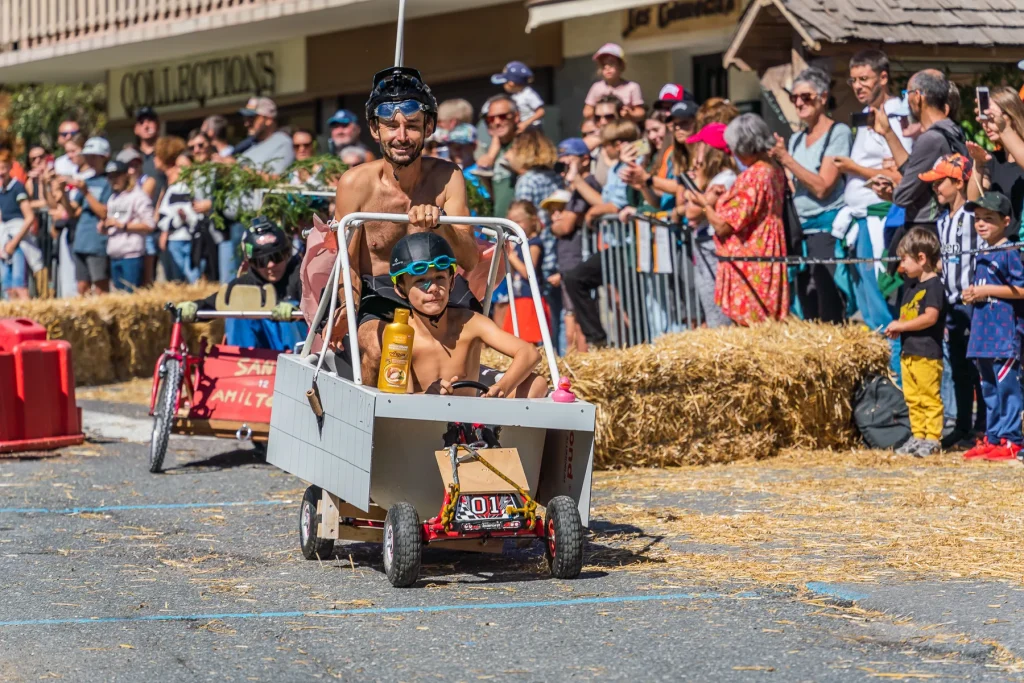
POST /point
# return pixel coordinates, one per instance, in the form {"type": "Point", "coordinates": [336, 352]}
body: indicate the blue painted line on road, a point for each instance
{"type": "Point", "coordinates": [831, 591]}
{"type": "Point", "coordinates": [154, 506]}
{"type": "Point", "coordinates": [368, 610]}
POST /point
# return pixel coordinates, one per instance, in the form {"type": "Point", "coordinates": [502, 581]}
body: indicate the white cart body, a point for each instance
{"type": "Point", "coordinates": [379, 447]}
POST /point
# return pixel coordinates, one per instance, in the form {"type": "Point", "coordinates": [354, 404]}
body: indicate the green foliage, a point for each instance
{"type": "Point", "coordinates": [35, 111]}
{"type": "Point", "coordinates": [479, 205]}
{"type": "Point", "coordinates": [233, 186]}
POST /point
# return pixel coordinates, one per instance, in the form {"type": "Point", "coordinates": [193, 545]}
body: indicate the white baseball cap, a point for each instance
{"type": "Point", "coordinates": [97, 147]}
{"type": "Point", "coordinates": [610, 49]}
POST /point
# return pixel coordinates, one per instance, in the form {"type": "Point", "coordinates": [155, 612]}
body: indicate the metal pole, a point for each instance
{"type": "Point", "coordinates": [399, 38]}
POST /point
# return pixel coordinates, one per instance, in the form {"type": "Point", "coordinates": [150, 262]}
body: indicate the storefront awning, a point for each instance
{"type": "Point", "coordinates": [552, 11]}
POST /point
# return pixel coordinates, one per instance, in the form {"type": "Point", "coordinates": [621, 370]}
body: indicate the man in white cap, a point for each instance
{"type": "Point", "coordinates": [271, 154]}
{"type": "Point", "coordinates": [87, 204]}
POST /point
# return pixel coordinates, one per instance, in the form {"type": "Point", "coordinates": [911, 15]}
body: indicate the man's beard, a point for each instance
{"type": "Point", "coordinates": [414, 154]}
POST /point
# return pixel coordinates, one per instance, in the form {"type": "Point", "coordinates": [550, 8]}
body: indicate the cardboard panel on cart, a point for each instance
{"type": "Point", "coordinates": [405, 467]}
{"type": "Point", "coordinates": [568, 468]}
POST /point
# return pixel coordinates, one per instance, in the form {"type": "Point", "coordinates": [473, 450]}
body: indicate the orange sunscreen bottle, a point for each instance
{"type": "Point", "coordinates": [396, 355]}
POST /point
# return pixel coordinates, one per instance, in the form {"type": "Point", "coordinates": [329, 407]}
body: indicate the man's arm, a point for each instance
{"type": "Point", "coordinates": [29, 215]}
{"type": "Point", "coordinates": [912, 189]}
{"type": "Point", "coordinates": [459, 236]}
{"type": "Point", "coordinates": [348, 199]}
{"type": "Point", "coordinates": [524, 355]}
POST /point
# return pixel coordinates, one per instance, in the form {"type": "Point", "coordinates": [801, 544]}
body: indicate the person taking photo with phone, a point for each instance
{"type": "Point", "coordinates": [1001, 170]}
{"type": "Point", "coordinates": [869, 79]}
{"type": "Point", "coordinates": [817, 190]}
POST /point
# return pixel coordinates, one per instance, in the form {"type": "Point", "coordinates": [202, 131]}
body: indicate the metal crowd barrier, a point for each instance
{"type": "Point", "coordinates": [648, 278]}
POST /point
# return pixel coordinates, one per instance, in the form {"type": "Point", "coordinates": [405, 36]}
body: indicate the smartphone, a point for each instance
{"type": "Point", "coordinates": [904, 123]}
{"type": "Point", "coordinates": [561, 168]}
{"type": "Point", "coordinates": [688, 183]}
{"type": "Point", "coordinates": [862, 119]}
{"type": "Point", "coordinates": [642, 147]}
{"type": "Point", "coordinates": [983, 102]}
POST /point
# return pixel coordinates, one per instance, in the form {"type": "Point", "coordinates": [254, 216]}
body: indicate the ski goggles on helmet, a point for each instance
{"type": "Point", "coordinates": [417, 268]}
{"type": "Point", "coordinates": [388, 110]}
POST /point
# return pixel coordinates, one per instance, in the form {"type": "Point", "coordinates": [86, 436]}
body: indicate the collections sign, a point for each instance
{"type": "Point", "coordinates": [211, 79]}
{"type": "Point", "coordinates": [684, 15]}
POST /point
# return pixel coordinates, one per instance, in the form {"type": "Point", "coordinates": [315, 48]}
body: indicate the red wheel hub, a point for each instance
{"type": "Point", "coordinates": [551, 537]}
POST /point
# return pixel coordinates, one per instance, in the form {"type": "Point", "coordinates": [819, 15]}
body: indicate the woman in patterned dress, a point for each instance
{"type": "Point", "coordinates": [747, 221]}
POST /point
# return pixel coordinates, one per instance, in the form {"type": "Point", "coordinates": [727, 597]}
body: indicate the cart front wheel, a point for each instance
{"type": "Point", "coordinates": [403, 546]}
{"type": "Point", "coordinates": [313, 547]}
{"type": "Point", "coordinates": [564, 546]}
{"type": "Point", "coordinates": [163, 413]}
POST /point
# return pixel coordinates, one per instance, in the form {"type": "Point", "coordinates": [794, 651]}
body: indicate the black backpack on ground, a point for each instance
{"type": "Point", "coordinates": [880, 413]}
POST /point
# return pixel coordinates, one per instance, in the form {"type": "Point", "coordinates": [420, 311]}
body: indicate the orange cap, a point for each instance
{"type": "Point", "coordinates": [955, 166]}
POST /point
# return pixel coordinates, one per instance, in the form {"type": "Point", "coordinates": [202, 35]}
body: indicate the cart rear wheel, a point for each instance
{"type": "Point", "coordinates": [403, 545]}
{"type": "Point", "coordinates": [313, 547]}
{"type": "Point", "coordinates": [564, 545]}
{"type": "Point", "coordinates": [163, 413]}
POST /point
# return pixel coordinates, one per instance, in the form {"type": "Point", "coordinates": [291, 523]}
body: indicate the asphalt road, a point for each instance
{"type": "Point", "coordinates": [114, 574]}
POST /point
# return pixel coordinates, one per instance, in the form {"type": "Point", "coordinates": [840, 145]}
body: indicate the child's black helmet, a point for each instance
{"type": "Point", "coordinates": [420, 247]}
{"type": "Point", "coordinates": [264, 238]}
{"type": "Point", "coordinates": [399, 84]}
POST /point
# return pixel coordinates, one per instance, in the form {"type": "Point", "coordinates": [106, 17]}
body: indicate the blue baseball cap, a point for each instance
{"type": "Point", "coordinates": [342, 117]}
{"type": "Point", "coordinates": [514, 72]}
{"type": "Point", "coordinates": [573, 147]}
{"type": "Point", "coordinates": [462, 134]}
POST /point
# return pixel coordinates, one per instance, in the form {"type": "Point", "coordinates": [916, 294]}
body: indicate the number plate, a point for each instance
{"type": "Point", "coordinates": [486, 506]}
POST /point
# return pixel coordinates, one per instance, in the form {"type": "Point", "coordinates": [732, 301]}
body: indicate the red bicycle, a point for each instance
{"type": "Point", "coordinates": [224, 391]}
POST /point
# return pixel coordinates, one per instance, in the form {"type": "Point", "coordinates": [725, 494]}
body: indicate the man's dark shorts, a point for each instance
{"type": "Point", "coordinates": [379, 299]}
{"type": "Point", "coordinates": [91, 268]}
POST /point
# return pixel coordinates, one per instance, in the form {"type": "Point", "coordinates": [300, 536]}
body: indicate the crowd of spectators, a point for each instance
{"type": "Point", "coordinates": [901, 169]}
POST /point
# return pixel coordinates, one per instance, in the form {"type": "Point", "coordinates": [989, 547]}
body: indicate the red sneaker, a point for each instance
{"type": "Point", "coordinates": [1005, 451]}
{"type": "Point", "coordinates": [981, 448]}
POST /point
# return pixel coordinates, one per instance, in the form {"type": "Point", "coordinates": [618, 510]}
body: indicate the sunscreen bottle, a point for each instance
{"type": "Point", "coordinates": [396, 355]}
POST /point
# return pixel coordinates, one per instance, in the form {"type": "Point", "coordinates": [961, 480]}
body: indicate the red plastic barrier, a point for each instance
{"type": "Point", "coordinates": [13, 331]}
{"type": "Point", "coordinates": [37, 390]}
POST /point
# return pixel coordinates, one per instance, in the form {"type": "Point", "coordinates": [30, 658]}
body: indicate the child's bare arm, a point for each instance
{"type": "Point", "coordinates": [524, 355]}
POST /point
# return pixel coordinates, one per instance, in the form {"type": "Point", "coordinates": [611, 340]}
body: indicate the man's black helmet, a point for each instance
{"type": "Point", "coordinates": [264, 238]}
{"type": "Point", "coordinates": [420, 247]}
{"type": "Point", "coordinates": [397, 84]}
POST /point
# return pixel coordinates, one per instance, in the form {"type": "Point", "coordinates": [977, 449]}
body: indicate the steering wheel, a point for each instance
{"type": "Point", "coordinates": [470, 384]}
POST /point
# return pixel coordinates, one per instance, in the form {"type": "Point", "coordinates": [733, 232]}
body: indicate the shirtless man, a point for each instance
{"type": "Point", "coordinates": [447, 341]}
{"type": "Point", "coordinates": [402, 114]}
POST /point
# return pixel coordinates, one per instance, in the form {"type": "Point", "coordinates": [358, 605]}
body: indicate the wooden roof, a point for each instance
{"type": "Point", "coordinates": [951, 22]}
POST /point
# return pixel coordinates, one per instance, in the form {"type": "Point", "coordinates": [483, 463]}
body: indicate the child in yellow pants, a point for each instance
{"type": "Point", "coordinates": [920, 328]}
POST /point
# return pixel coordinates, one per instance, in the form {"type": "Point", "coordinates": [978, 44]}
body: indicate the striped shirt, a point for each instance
{"type": "Point", "coordinates": [957, 235]}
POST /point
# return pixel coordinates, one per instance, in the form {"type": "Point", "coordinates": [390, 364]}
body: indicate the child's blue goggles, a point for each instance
{"type": "Point", "coordinates": [388, 110]}
{"type": "Point", "coordinates": [417, 268]}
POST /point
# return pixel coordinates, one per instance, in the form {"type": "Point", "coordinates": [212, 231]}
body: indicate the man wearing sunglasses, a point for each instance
{"type": "Point", "coordinates": [402, 114]}
{"type": "Point", "coordinates": [269, 255]}
{"type": "Point", "coordinates": [63, 165]}
{"type": "Point", "coordinates": [502, 117]}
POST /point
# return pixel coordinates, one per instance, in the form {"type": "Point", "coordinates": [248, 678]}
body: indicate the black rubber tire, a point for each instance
{"type": "Point", "coordinates": [163, 413]}
{"type": "Point", "coordinates": [403, 545]}
{"type": "Point", "coordinates": [564, 546]}
{"type": "Point", "coordinates": [313, 547]}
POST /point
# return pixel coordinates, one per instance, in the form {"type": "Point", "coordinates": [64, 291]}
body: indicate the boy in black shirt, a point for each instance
{"type": "Point", "coordinates": [920, 327]}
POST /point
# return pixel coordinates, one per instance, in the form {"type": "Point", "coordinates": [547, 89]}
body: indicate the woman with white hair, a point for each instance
{"type": "Point", "coordinates": [747, 220]}
{"type": "Point", "coordinates": [817, 190]}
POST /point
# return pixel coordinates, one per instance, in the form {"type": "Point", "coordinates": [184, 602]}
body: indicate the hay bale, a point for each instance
{"type": "Point", "coordinates": [721, 395]}
{"type": "Point", "coordinates": [116, 336]}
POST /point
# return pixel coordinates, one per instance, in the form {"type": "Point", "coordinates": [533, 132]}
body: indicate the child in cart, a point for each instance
{"type": "Point", "coordinates": [270, 258]}
{"type": "Point", "coordinates": [448, 341]}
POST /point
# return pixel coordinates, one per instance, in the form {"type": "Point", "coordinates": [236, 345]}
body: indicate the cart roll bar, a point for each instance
{"type": "Point", "coordinates": [342, 270]}
{"type": "Point", "coordinates": [248, 315]}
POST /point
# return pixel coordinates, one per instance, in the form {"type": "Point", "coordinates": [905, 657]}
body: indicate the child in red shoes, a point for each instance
{"type": "Point", "coordinates": [996, 327]}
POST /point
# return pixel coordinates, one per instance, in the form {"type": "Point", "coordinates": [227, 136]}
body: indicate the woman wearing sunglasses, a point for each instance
{"type": "Point", "coordinates": [817, 190]}
{"type": "Point", "coordinates": [269, 259]}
